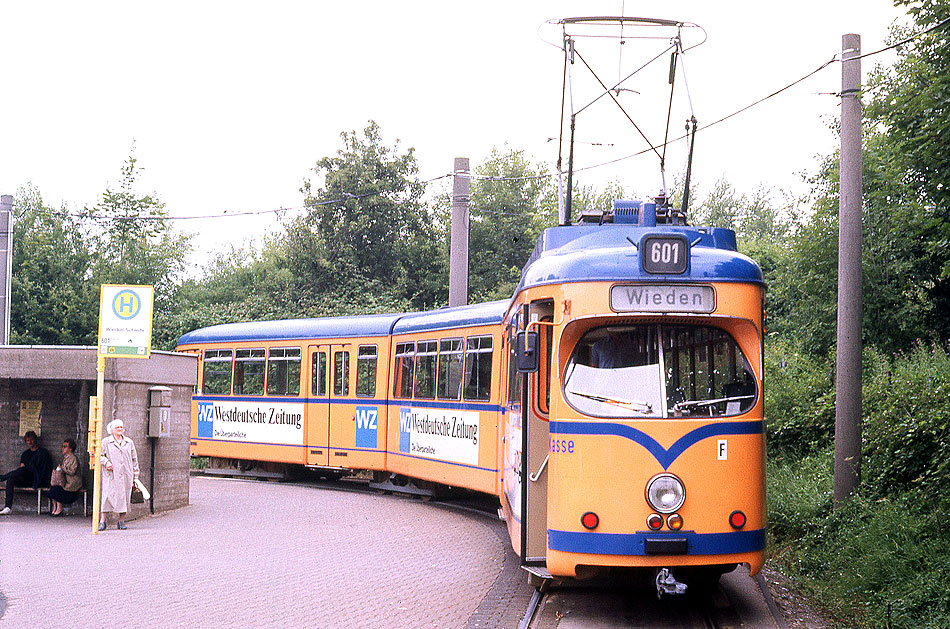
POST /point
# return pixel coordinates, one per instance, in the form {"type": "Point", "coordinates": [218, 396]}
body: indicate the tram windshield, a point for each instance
{"type": "Point", "coordinates": [656, 370]}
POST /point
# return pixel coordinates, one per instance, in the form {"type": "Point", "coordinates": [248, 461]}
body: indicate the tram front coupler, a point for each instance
{"type": "Point", "coordinates": [666, 583]}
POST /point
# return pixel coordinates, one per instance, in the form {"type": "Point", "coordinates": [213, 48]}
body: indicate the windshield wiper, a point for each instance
{"type": "Point", "coordinates": [679, 406]}
{"type": "Point", "coordinates": [637, 405]}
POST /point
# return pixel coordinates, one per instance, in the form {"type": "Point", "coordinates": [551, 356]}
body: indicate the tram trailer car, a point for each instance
{"type": "Point", "coordinates": [614, 404]}
{"type": "Point", "coordinates": [357, 393]}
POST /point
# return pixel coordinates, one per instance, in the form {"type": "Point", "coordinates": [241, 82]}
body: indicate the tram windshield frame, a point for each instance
{"type": "Point", "coordinates": [659, 371]}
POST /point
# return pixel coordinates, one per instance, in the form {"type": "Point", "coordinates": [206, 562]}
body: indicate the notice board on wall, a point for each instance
{"type": "Point", "coordinates": [30, 411]}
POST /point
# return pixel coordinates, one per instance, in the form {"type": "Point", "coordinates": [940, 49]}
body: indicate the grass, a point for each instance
{"type": "Point", "coordinates": [872, 563]}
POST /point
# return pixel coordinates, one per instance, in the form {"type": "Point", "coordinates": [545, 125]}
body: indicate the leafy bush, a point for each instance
{"type": "Point", "coordinates": [799, 399]}
{"type": "Point", "coordinates": [799, 494]}
{"type": "Point", "coordinates": [907, 422]}
{"type": "Point", "coordinates": [875, 563]}
{"type": "Point", "coordinates": [882, 559]}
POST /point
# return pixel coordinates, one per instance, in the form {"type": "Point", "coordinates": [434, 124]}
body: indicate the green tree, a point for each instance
{"type": "Point", "coordinates": [901, 276]}
{"type": "Point", "coordinates": [911, 102]}
{"type": "Point", "coordinates": [510, 206]}
{"type": "Point", "coordinates": [589, 199]}
{"type": "Point", "coordinates": [759, 216]}
{"type": "Point", "coordinates": [366, 232]}
{"type": "Point", "coordinates": [53, 301]}
{"type": "Point", "coordinates": [235, 286]}
{"type": "Point", "coordinates": [911, 99]}
{"type": "Point", "coordinates": [133, 242]}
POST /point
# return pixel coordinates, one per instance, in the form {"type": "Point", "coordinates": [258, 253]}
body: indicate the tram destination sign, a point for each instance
{"type": "Point", "coordinates": [662, 298]}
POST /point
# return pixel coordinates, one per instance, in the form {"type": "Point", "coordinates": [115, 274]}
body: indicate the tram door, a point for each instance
{"type": "Point", "coordinates": [537, 443]}
{"type": "Point", "coordinates": [318, 407]}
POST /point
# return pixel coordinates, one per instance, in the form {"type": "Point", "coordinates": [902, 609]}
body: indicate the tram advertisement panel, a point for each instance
{"type": "Point", "coordinates": [251, 422]}
{"type": "Point", "coordinates": [446, 435]}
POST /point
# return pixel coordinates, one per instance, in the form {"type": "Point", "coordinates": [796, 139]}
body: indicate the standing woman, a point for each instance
{"type": "Point", "coordinates": [120, 468]}
{"type": "Point", "coordinates": [68, 493]}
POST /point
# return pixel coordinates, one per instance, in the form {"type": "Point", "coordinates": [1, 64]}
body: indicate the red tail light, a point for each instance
{"type": "Point", "coordinates": [590, 520]}
{"type": "Point", "coordinates": [737, 519]}
{"type": "Point", "coordinates": [654, 521]}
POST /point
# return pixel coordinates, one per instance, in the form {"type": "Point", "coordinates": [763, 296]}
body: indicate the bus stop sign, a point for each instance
{"type": "Point", "coordinates": [125, 321]}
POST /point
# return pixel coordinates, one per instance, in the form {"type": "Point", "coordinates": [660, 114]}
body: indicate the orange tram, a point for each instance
{"type": "Point", "coordinates": [613, 405]}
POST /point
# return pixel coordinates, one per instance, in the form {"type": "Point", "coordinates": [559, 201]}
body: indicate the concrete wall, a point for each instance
{"type": "Point", "coordinates": [63, 379]}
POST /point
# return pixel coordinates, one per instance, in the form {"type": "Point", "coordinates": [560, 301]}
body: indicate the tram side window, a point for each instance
{"type": "Point", "coordinates": [216, 375]}
{"type": "Point", "coordinates": [341, 373]}
{"type": "Point", "coordinates": [366, 371]}
{"type": "Point", "coordinates": [450, 369]}
{"type": "Point", "coordinates": [477, 375]}
{"type": "Point", "coordinates": [249, 372]}
{"type": "Point", "coordinates": [426, 353]}
{"type": "Point", "coordinates": [319, 374]}
{"type": "Point", "coordinates": [544, 366]}
{"type": "Point", "coordinates": [403, 370]}
{"type": "Point", "coordinates": [514, 377]}
{"type": "Point", "coordinates": [283, 371]}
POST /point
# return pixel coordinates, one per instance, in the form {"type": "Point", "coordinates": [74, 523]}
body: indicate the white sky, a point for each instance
{"type": "Point", "coordinates": [230, 104]}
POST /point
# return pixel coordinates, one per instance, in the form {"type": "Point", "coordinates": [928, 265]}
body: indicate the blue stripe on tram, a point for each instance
{"type": "Point", "coordinates": [634, 543]}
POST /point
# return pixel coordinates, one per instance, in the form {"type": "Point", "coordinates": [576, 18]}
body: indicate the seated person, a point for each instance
{"type": "Point", "coordinates": [69, 492]}
{"type": "Point", "coordinates": [614, 350]}
{"type": "Point", "coordinates": [36, 465]}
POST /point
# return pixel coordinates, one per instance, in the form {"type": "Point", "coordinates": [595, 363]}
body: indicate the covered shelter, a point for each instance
{"type": "Point", "coordinates": [48, 389]}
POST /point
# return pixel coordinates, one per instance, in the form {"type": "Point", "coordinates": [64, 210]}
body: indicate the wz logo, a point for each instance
{"type": "Point", "coordinates": [367, 425]}
{"type": "Point", "coordinates": [205, 420]}
{"type": "Point", "coordinates": [405, 428]}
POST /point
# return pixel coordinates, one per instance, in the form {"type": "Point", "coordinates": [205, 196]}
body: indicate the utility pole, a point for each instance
{"type": "Point", "coordinates": [458, 247]}
{"type": "Point", "coordinates": [6, 265]}
{"type": "Point", "coordinates": [848, 378]}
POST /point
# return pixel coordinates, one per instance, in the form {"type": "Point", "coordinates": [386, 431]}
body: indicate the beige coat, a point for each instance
{"type": "Point", "coordinates": [117, 483]}
{"type": "Point", "coordinates": [73, 473]}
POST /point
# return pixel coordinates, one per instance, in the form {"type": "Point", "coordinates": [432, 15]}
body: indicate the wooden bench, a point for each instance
{"type": "Point", "coordinates": [49, 501]}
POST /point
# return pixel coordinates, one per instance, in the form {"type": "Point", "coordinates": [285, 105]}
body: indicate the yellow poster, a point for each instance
{"type": "Point", "coordinates": [30, 416]}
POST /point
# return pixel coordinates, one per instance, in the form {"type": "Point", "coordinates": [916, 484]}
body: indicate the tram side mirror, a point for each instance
{"type": "Point", "coordinates": [527, 352]}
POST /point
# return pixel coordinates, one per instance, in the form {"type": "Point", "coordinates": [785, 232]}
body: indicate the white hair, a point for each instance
{"type": "Point", "coordinates": [112, 425]}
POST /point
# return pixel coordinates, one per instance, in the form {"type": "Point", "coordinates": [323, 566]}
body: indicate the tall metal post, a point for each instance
{"type": "Point", "coordinates": [95, 445]}
{"type": "Point", "coordinates": [458, 247]}
{"type": "Point", "coordinates": [847, 473]}
{"type": "Point", "coordinates": [6, 265]}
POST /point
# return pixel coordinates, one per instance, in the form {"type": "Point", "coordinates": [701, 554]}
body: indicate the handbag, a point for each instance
{"type": "Point", "coordinates": [137, 496]}
{"type": "Point", "coordinates": [57, 478]}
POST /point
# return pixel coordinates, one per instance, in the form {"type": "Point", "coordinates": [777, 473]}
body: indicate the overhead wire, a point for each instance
{"type": "Point", "coordinates": [229, 214]}
{"type": "Point", "coordinates": [904, 41]}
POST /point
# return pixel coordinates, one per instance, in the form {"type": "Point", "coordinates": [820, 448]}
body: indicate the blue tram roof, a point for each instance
{"type": "Point", "coordinates": [346, 327]}
{"type": "Point", "coordinates": [293, 329]}
{"type": "Point", "coordinates": [476, 314]}
{"type": "Point", "coordinates": [612, 253]}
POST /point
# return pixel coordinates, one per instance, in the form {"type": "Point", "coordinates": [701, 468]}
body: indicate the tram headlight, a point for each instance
{"type": "Point", "coordinates": [665, 493]}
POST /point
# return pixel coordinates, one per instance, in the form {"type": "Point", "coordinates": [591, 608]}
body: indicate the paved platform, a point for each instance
{"type": "Point", "coordinates": [252, 554]}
